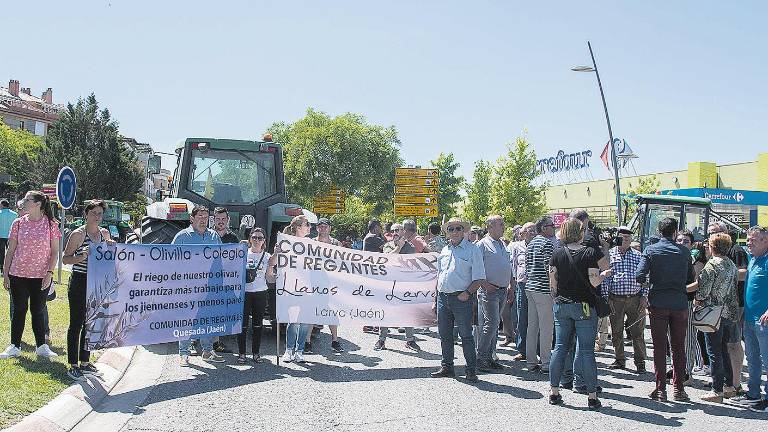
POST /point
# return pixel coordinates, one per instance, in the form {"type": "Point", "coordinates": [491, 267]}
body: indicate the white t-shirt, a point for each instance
{"type": "Point", "coordinates": [260, 283]}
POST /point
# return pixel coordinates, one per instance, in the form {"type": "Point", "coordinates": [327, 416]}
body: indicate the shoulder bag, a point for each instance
{"type": "Point", "coordinates": [251, 273]}
{"type": "Point", "coordinates": [602, 306]}
{"type": "Point", "coordinates": [707, 319]}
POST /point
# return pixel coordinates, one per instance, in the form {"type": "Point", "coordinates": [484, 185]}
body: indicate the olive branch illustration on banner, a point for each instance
{"type": "Point", "coordinates": [419, 267]}
{"type": "Point", "coordinates": [106, 329]}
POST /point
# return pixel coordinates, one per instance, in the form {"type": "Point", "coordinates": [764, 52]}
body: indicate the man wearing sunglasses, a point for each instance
{"type": "Point", "coordinates": [399, 245]}
{"type": "Point", "coordinates": [461, 273]}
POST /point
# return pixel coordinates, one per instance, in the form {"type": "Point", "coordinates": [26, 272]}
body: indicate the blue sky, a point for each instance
{"type": "Point", "coordinates": [684, 81]}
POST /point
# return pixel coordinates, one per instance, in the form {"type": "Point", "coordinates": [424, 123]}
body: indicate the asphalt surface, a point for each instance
{"type": "Point", "coordinates": [369, 390]}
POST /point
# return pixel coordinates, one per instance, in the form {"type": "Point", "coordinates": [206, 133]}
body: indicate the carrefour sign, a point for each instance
{"type": "Point", "coordinates": [724, 196]}
{"type": "Point", "coordinates": [564, 162]}
{"type": "Point", "coordinates": [735, 197]}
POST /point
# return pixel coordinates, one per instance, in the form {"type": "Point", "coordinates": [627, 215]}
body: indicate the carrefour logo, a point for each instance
{"type": "Point", "coordinates": [738, 197]}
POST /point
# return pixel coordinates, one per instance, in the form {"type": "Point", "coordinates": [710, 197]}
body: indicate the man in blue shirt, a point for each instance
{"type": "Point", "coordinates": [756, 317]}
{"type": "Point", "coordinates": [460, 274]}
{"type": "Point", "coordinates": [7, 216]}
{"type": "Point", "coordinates": [198, 234]}
{"type": "Point", "coordinates": [667, 265]}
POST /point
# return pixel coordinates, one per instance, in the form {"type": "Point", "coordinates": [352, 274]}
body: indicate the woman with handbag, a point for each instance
{"type": "Point", "coordinates": [33, 248]}
{"type": "Point", "coordinates": [573, 276]}
{"type": "Point", "coordinates": [255, 294]}
{"type": "Point", "coordinates": [717, 293]}
{"type": "Point", "coordinates": [76, 253]}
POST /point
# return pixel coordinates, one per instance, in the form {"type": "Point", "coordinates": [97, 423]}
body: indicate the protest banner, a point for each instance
{"type": "Point", "coordinates": [318, 283]}
{"type": "Point", "coordinates": [148, 294]}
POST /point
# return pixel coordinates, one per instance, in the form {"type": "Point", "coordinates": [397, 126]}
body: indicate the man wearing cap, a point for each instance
{"type": "Point", "coordinates": [324, 236]}
{"type": "Point", "coordinates": [628, 299]}
{"type": "Point", "coordinates": [461, 273]}
{"type": "Point", "coordinates": [399, 245]}
{"type": "Point", "coordinates": [475, 233]}
{"type": "Point", "coordinates": [492, 295]}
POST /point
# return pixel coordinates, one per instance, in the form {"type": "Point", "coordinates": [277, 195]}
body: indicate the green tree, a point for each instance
{"type": "Point", "coordinates": [449, 183]}
{"type": "Point", "coordinates": [345, 151]}
{"type": "Point", "coordinates": [87, 139]}
{"type": "Point", "coordinates": [514, 194]}
{"type": "Point", "coordinates": [354, 221]}
{"type": "Point", "coordinates": [645, 185]}
{"type": "Point", "coordinates": [478, 201]}
{"type": "Point", "coordinates": [19, 151]}
{"type": "Point", "coordinates": [136, 207]}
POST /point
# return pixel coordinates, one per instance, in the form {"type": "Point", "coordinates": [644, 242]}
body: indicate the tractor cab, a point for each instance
{"type": "Point", "coordinates": [693, 214]}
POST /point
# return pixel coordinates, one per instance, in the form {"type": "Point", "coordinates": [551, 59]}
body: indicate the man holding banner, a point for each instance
{"type": "Point", "coordinates": [460, 274]}
{"type": "Point", "coordinates": [198, 234]}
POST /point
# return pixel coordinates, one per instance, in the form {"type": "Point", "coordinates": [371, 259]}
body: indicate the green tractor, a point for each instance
{"type": "Point", "coordinates": [114, 220]}
{"type": "Point", "coordinates": [246, 177]}
{"type": "Point", "coordinates": [692, 213]}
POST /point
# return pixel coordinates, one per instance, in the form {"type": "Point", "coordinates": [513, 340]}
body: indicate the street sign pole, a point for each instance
{"type": "Point", "coordinates": [62, 214]}
{"type": "Point", "coordinates": [66, 192]}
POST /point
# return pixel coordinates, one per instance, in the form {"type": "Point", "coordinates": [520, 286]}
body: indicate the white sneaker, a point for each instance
{"type": "Point", "coordinates": [298, 357]}
{"type": "Point", "coordinates": [700, 371]}
{"type": "Point", "coordinates": [11, 351]}
{"type": "Point", "coordinates": [45, 351]}
{"type": "Point", "coordinates": [288, 356]}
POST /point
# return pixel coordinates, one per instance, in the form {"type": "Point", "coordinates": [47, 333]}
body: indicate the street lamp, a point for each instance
{"type": "Point", "coordinates": [593, 68]}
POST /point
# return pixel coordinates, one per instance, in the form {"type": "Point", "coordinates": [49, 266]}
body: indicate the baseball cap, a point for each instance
{"type": "Point", "coordinates": [324, 221]}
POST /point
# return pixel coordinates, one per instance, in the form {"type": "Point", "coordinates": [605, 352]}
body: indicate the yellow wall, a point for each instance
{"type": "Point", "coordinates": [702, 175]}
{"type": "Point", "coordinates": [599, 195]}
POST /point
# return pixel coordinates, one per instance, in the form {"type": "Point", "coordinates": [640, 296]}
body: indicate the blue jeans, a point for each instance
{"type": "Point", "coordinates": [719, 360]}
{"type": "Point", "coordinates": [450, 311]}
{"type": "Point", "coordinates": [756, 344]}
{"type": "Point", "coordinates": [488, 318]}
{"type": "Point", "coordinates": [295, 336]}
{"type": "Point", "coordinates": [570, 322]}
{"type": "Point", "coordinates": [522, 316]}
{"type": "Point", "coordinates": [572, 373]}
{"type": "Point", "coordinates": [205, 343]}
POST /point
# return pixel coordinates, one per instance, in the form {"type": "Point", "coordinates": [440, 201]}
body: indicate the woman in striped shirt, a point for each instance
{"type": "Point", "coordinates": [76, 253]}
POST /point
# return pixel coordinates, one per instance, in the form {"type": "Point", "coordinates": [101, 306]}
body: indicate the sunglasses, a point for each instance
{"type": "Point", "coordinates": [257, 237]}
{"type": "Point", "coordinates": [684, 241]}
{"type": "Point", "coordinates": [452, 229]}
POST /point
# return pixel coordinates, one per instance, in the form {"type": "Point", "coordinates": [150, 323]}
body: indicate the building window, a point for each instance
{"type": "Point", "coordinates": [21, 124]}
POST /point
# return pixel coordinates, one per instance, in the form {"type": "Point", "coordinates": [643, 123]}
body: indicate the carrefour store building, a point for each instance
{"type": "Point", "coordinates": [738, 191]}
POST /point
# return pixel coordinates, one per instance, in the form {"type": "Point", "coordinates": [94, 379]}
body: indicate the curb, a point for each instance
{"type": "Point", "coordinates": [73, 404]}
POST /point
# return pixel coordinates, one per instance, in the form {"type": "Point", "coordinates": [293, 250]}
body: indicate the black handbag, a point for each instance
{"type": "Point", "coordinates": [251, 273]}
{"type": "Point", "coordinates": [602, 307]}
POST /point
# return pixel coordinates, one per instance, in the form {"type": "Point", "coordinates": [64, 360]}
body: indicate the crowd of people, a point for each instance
{"type": "Point", "coordinates": [551, 292]}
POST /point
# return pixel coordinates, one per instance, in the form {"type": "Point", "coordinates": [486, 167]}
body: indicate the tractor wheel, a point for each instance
{"type": "Point", "coordinates": [160, 231]}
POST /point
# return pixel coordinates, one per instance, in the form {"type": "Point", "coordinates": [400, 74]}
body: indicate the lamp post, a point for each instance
{"type": "Point", "coordinates": [610, 131]}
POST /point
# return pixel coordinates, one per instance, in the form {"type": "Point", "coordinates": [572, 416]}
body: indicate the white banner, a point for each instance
{"type": "Point", "coordinates": [318, 283]}
{"type": "Point", "coordinates": [148, 294]}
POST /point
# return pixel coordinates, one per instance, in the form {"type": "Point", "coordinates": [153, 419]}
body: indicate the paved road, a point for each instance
{"type": "Point", "coordinates": [372, 390]}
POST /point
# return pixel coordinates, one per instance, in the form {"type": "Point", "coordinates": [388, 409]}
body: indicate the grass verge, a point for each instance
{"type": "Point", "coordinates": [27, 383]}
